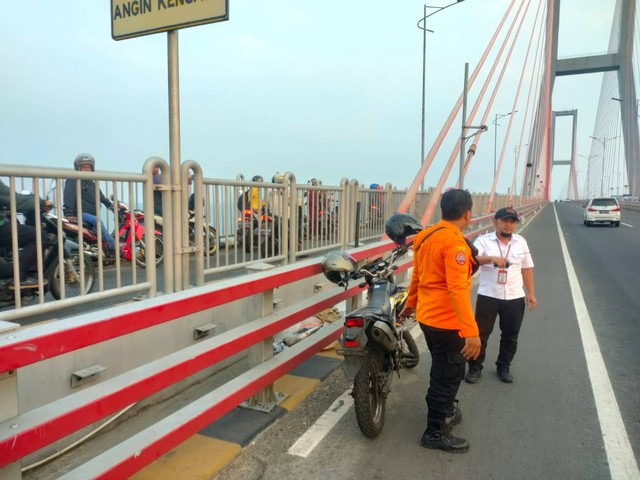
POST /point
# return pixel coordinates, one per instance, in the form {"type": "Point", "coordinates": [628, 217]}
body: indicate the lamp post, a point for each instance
{"type": "Point", "coordinates": [495, 137]}
{"type": "Point", "coordinates": [588, 157]}
{"type": "Point", "coordinates": [603, 141]}
{"type": "Point", "coordinates": [422, 25]}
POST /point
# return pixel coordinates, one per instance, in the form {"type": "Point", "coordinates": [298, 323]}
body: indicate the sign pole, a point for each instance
{"type": "Point", "coordinates": [174, 152]}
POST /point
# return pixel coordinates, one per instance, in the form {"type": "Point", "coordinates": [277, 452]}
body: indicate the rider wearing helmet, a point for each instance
{"type": "Point", "coordinates": [376, 204]}
{"type": "Point", "coordinates": [86, 163]}
{"type": "Point", "coordinates": [26, 232]}
{"type": "Point", "coordinates": [336, 266]}
{"type": "Point", "coordinates": [251, 198]}
{"type": "Point", "coordinates": [316, 203]}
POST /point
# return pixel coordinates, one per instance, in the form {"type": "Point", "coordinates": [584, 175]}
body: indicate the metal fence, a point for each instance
{"type": "Point", "coordinates": [212, 228]}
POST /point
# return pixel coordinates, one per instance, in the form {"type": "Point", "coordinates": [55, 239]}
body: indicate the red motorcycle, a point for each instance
{"type": "Point", "coordinates": [130, 234]}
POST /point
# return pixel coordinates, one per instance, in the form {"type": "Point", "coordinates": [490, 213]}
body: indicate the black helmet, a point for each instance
{"type": "Point", "coordinates": [257, 178]}
{"type": "Point", "coordinates": [337, 265]}
{"type": "Point", "coordinates": [84, 159]}
{"type": "Point", "coordinates": [399, 226]}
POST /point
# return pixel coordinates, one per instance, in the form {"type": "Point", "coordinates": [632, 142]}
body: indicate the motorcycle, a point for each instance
{"type": "Point", "coordinates": [260, 230]}
{"type": "Point", "coordinates": [52, 268]}
{"type": "Point", "coordinates": [210, 240]}
{"type": "Point", "coordinates": [130, 226]}
{"type": "Point", "coordinates": [375, 344]}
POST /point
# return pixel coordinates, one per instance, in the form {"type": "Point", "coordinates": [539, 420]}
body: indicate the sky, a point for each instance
{"type": "Point", "coordinates": [328, 89]}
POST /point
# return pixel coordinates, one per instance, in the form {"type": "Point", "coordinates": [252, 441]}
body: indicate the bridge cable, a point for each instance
{"type": "Point", "coordinates": [413, 189]}
{"type": "Point", "coordinates": [434, 198]}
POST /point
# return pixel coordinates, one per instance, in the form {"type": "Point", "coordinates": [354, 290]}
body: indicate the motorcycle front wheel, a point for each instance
{"type": "Point", "coordinates": [72, 279]}
{"type": "Point", "coordinates": [141, 259]}
{"type": "Point", "coordinates": [410, 353]}
{"type": "Point", "coordinates": [210, 236]}
{"type": "Point", "coordinates": [368, 394]}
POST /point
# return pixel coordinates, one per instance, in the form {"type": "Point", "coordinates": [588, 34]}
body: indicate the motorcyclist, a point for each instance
{"type": "Point", "coordinates": [251, 198]}
{"type": "Point", "coordinates": [316, 203]}
{"type": "Point", "coordinates": [27, 235]}
{"type": "Point", "coordinates": [86, 163]}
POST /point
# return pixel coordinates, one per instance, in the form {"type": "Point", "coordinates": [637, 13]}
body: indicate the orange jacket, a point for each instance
{"type": "Point", "coordinates": [440, 290]}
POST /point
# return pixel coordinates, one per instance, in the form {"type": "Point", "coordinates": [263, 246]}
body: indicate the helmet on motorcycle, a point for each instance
{"type": "Point", "coordinates": [84, 159]}
{"type": "Point", "coordinates": [399, 226]}
{"type": "Point", "coordinates": [257, 178]}
{"type": "Point", "coordinates": [337, 265]}
{"type": "Point", "coordinates": [278, 178]}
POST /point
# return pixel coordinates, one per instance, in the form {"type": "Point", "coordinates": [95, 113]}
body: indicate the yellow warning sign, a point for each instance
{"type": "Point", "coordinates": [134, 18]}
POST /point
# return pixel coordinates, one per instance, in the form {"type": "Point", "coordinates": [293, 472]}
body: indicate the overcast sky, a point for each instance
{"type": "Point", "coordinates": [329, 89]}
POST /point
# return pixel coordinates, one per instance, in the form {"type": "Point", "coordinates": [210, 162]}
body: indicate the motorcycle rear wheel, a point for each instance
{"type": "Point", "coordinates": [368, 395]}
{"type": "Point", "coordinates": [72, 284]}
{"type": "Point", "coordinates": [141, 259]}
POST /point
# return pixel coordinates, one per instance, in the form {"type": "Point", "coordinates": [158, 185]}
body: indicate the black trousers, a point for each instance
{"type": "Point", "coordinates": [511, 313]}
{"type": "Point", "coordinates": [26, 241]}
{"type": "Point", "coordinates": [447, 371]}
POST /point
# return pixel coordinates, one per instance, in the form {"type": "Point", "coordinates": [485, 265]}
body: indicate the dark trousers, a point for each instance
{"type": "Point", "coordinates": [26, 241]}
{"type": "Point", "coordinates": [447, 371]}
{"type": "Point", "coordinates": [511, 313]}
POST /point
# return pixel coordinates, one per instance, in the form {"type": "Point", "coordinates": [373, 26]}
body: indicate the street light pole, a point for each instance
{"type": "Point", "coordinates": [424, 29]}
{"type": "Point", "coordinates": [495, 138]}
{"type": "Point", "coordinates": [603, 141]}
{"type": "Point", "coordinates": [588, 157]}
{"type": "Point", "coordinates": [464, 122]}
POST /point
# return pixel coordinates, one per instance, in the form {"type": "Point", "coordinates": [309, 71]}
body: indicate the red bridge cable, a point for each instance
{"type": "Point", "coordinates": [431, 206]}
{"type": "Point", "coordinates": [525, 116]}
{"type": "Point", "coordinates": [528, 117]}
{"type": "Point", "coordinates": [533, 93]}
{"type": "Point", "coordinates": [411, 193]}
{"type": "Point", "coordinates": [516, 99]}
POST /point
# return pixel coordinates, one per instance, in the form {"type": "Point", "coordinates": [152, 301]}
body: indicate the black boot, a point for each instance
{"type": "Point", "coordinates": [437, 436]}
{"type": "Point", "coordinates": [454, 417]}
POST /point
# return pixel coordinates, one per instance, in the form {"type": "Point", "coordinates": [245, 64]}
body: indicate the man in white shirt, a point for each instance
{"type": "Point", "coordinates": [506, 267]}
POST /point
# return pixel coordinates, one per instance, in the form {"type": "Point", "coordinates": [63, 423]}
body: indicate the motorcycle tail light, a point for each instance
{"type": "Point", "coordinates": [247, 213]}
{"type": "Point", "coordinates": [351, 343]}
{"type": "Point", "coordinates": [354, 322]}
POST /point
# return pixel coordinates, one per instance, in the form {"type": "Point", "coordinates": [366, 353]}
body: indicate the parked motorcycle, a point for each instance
{"type": "Point", "coordinates": [53, 273]}
{"type": "Point", "coordinates": [375, 344]}
{"type": "Point", "coordinates": [260, 230]}
{"type": "Point", "coordinates": [130, 226]}
{"type": "Point", "coordinates": [210, 240]}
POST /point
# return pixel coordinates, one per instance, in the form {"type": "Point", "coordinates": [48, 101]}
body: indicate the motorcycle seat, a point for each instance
{"type": "Point", "coordinates": [372, 311]}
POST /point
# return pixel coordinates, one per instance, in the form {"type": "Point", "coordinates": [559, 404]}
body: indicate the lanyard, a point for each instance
{"type": "Point", "coordinates": [500, 249]}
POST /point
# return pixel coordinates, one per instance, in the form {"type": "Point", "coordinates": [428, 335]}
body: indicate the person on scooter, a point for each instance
{"type": "Point", "coordinates": [26, 232]}
{"type": "Point", "coordinates": [86, 163]}
{"type": "Point", "coordinates": [251, 198]}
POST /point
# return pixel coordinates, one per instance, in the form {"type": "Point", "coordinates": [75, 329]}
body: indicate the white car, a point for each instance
{"type": "Point", "coordinates": [602, 210]}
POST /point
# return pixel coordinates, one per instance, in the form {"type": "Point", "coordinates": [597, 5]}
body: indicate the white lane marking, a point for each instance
{"type": "Point", "coordinates": [622, 463]}
{"type": "Point", "coordinates": [312, 437]}
{"type": "Point", "coordinates": [626, 224]}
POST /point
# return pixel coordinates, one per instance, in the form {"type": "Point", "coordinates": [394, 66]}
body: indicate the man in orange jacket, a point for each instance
{"type": "Point", "coordinates": [440, 297]}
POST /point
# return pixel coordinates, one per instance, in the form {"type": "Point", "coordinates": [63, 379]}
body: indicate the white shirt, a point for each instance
{"type": "Point", "coordinates": [517, 252]}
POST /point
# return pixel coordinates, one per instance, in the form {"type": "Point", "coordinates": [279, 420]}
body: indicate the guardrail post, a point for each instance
{"type": "Point", "coordinates": [266, 399]}
{"type": "Point", "coordinates": [9, 403]}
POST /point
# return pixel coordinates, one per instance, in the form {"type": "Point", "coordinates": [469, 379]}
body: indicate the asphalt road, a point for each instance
{"type": "Point", "coordinates": [548, 424]}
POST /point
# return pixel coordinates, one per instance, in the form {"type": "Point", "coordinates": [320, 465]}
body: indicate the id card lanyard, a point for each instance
{"type": "Point", "coordinates": [502, 273]}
